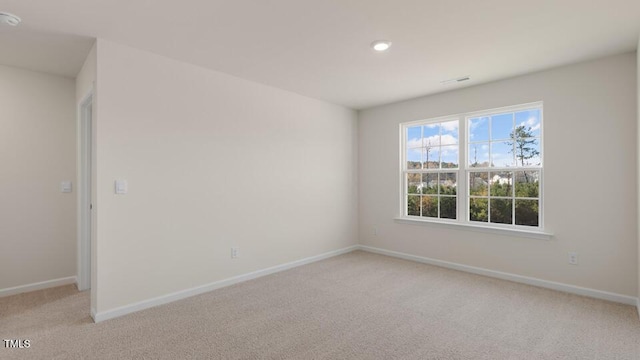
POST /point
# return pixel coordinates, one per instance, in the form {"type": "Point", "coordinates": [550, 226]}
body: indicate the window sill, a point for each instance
{"type": "Point", "coordinates": [477, 228]}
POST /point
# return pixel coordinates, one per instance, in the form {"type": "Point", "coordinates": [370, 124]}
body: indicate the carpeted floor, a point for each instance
{"type": "Point", "coordinates": [354, 306]}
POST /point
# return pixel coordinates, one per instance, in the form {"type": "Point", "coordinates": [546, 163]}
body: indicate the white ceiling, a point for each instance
{"type": "Point", "coordinates": [320, 48]}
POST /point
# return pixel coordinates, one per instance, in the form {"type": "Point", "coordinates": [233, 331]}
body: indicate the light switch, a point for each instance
{"type": "Point", "coordinates": [65, 186]}
{"type": "Point", "coordinates": [121, 186]}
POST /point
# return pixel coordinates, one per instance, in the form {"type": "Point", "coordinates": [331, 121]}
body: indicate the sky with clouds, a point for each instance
{"type": "Point", "coordinates": [488, 137]}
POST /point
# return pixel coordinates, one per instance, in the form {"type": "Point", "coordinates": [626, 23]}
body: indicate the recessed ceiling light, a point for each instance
{"type": "Point", "coordinates": [9, 19]}
{"type": "Point", "coordinates": [381, 45]}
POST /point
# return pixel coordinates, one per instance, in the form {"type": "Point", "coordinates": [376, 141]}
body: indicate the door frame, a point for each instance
{"type": "Point", "coordinates": [84, 158]}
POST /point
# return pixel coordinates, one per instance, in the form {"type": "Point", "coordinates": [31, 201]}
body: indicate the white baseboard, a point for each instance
{"type": "Point", "coordinates": [179, 295]}
{"type": "Point", "coordinates": [598, 294]}
{"type": "Point", "coordinates": [37, 286]}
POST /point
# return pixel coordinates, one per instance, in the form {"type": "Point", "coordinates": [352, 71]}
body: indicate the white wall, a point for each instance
{"type": "Point", "coordinates": [85, 80]}
{"type": "Point", "coordinates": [590, 177]}
{"type": "Point", "coordinates": [37, 152]}
{"type": "Point", "coordinates": [212, 161]}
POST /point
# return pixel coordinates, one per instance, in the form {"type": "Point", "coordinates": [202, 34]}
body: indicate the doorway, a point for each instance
{"type": "Point", "coordinates": [85, 206]}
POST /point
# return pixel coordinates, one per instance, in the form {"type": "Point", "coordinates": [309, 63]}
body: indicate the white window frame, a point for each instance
{"type": "Point", "coordinates": [463, 172]}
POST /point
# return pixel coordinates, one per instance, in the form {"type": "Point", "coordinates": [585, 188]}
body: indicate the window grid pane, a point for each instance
{"type": "Point", "coordinates": [503, 169]}
{"type": "Point", "coordinates": [429, 148]}
{"type": "Point", "coordinates": [431, 194]}
{"type": "Point", "coordinates": [512, 193]}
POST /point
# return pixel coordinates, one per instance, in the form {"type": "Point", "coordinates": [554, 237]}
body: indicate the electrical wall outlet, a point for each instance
{"type": "Point", "coordinates": [573, 258]}
{"type": "Point", "coordinates": [234, 252]}
{"type": "Point", "coordinates": [65, 186]}
{"type": "Point", "coordinates": [375, 231]}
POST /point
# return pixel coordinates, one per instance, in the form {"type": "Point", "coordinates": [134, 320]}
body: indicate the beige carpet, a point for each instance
{"type": "Point", "coordinates": [354, 306]}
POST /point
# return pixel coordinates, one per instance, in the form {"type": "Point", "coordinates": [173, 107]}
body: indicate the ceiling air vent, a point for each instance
{"type": "Point", "coordinates": [456, 80]}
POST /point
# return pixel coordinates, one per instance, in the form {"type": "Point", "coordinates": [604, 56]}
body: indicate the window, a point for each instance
{"type": "Point", "coordinates": [432, 168]}
{"type": "Point", "coordinates": [491, 178]}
